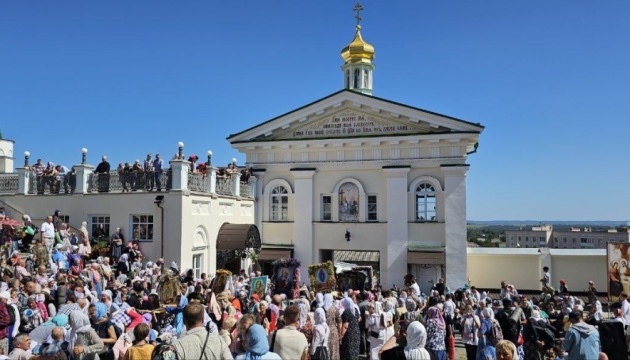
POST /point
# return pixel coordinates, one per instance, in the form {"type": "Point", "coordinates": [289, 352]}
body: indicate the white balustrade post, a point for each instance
{"type": "Point", "coordinates": [212, 172]}
{"type": "Point", "coordinates": [83, 172]}
{"type": "Point", "coordinates": [252, 186]}
{"type": "Point", "coordinates": [24, 180]}
{"type": "Point", "coordinates": [236, 184]}
{"type": "Point", "coordinates": [179, 174]}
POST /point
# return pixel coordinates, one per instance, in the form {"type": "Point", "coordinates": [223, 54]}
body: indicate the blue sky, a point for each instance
{"type": "Point", "coordinates": [548, 79]}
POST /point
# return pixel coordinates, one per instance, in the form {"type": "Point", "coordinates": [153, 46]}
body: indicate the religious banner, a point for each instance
{"type": "Point", "coordinates": [221, 280]}
{"type": "Point", "coordinates": [354, 280]}
{"type": "Point", "coordinates": [322, 276]}
{"type": "Point", "coordinates": [618, 265]}
{"type": "Point", "coordinates": [369, 276]}
{"type": "Point", "coordinates": [286, 277]}
{"type": "Point", "coordinates": [259, 286]}
{"type": "Point", "coordinates": [169, 286]}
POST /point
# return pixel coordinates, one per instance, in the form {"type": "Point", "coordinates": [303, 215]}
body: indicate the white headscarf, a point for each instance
{"type": "Point", "coordinates": [328, 301]}
{"type": "Point", "coordinates": [488, 313]}
{"type": "Point", "coordinates": [416, 340]}
{"type": "Point", "coordinates": [348, 305]}
{"type": "Point", "coordinates": [79, 322]}
{"type": "Point", "coordinates": [320, 299]}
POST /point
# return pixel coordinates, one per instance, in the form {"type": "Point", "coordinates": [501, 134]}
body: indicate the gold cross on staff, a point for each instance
{"type": "Point", "coordinates": [358, 9]}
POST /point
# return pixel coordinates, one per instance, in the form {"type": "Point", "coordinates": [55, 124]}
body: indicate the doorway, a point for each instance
{"type": "Point", "coordinates": [426, 275]}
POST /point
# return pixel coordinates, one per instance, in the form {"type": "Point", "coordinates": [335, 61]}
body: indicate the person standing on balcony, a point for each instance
{"type": "Point", "coordinates": [102, 171]}
{"type": "Point", "coordinates": [48, 234]}
{"type": "Point", "coordinates": [136, 170]}
{"type": "Point", "coordinates": [39, 168]}
{"type": "Point", "coordinates": [158, 166]}
{"type": "Point", "coordinates": [148, 173]}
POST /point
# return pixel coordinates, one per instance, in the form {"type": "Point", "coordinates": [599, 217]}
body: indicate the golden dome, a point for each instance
{"type": "Point", "coordinates": [358, 50]}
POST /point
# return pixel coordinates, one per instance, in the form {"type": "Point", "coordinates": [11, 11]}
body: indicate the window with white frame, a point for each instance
{"type": "Point", "coordinates": [97, 220]}
{"type": "Point", "coordinates": [142, 227]}
{"type": "Point", "coordinates": [197, 265]}
{"type": "Point", "coordinates": [425, 202]}
{"type": "Point", "coordinates": [372, 210]}
{"type": "Point", "coordinates": [326, 208]}
{"type": "Point", "coordinates": [279, 204]}
{"type": "Point", "coordinates": [65, 219]}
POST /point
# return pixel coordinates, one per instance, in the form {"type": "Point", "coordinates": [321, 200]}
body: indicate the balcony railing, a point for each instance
{"type": "Point", "coordinates": [114, 182]}
{"type": "Point", "coordinates": [64, 184]}
{"type": "Point", "coordinates": [198, 182]}
{"type": "Point", "coordinates": [128, 182]}
{"type": "Point", "coordinates": [8, 184]}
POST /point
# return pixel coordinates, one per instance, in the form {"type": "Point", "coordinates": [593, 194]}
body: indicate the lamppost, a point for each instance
{"type": "Point", "coordinates": [26, 156]}
{"type": "Point", "coordinates": [83, 156]}
{"type": "Point", "coordinates": [209, 162]}
{"type": "Point", "coordinates": [180, 153]}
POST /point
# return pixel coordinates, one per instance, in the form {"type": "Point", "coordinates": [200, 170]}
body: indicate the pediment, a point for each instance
{"type": "Point", "coordinates": [347, 114]}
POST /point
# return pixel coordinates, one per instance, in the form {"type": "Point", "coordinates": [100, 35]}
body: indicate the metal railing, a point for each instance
{"type": "Point", "coordinates": [46, 185]}
{"type": "Point", "coordinates": [224, 186]}
{"type": "Point", "coordinates": [127, 182]}
{"type": "Point", "coordinates": [198, 182]}
{"type": "Point", "coordinates": [8, 184]}
{"type": "Point", "coordinates": [246, 190]}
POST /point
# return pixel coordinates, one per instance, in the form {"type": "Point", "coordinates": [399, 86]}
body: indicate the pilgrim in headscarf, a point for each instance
{"type": "Point", "coordinates": [321, 331]}
{"type": "Point", "coordinates": [84, 342]}
{"type": "Point", "coordinates": [416, 340]}
{"type": "Point", "coordinates": [257, 345]}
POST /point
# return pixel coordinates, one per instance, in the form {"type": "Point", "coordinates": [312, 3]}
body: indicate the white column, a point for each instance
{"type": "Point", "coordinates": [236, 184]}
{"type": "Point", "coordinates": [212, 173]}
{"type": "Point", "coordinates": [24, 178]}
{"type": "Point", "coordinates": [394, 261]}
{"type": "Point", "coordinates": [257, 191]}
{"type": "Point", "coordinates": [455, 225]}
{"type": "Point", "coordinates": [83, 172]}
{"type": "Point", "coordinates": [303, 219]}
{"type": "Point", "coordinates": [179, 173]}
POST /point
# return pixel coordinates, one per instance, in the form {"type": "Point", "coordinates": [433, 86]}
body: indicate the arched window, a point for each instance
{"type": "Point", "coordinates": [366, 78]}
{"type": "Point", "coordinates": [357, 75]}
{"type": "Point", "coordinates": [425, 202]}
{"type": "Point", "coordinates": [348, 202]}
{"type": "Point", "coordinates": [279, 204]}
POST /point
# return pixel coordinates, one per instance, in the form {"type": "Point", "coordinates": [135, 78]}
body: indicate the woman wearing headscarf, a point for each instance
{"type": "Point", "coordinates": [333, 320]}
{"type": "Point", "coordinates": [596, 314]}
{"type": "Point", "coordinates": [436, 333]}
{"type": "Point", "coordinates": [377, 329]}
{"type": "Point", "coordinates": [506, 350]}
{"type": "Point", "coordinates": [414, 350]}
{"type": "Point", "coordinates": [321, 331]}
{"type": "Point", "coordinates": [485, 349]}
{"type": "Point", "coordinates": [534, 336]}
{"type": "Point", "coordinates": [123, 264]}
{"type": "Point", "coordinates": [257, 345]}
{"type": "Point", "coordinates": [304, 322]}
{"type": "Point", "coordinates": [412, 313]}
{"type": "Point", "coordinates": [470, 325]}
{"type": "Point", "coordinates": [74, 261]}
{"type": "Point", "coordinates": [84, 342]}
{"type": "Point", "coordinates": [103, 327]}
{"type": "Point", "coordinates": [94, 271]}
{"type": "Point", "coordinates": [349, 348]}
{"type": "Point", "coordinates": [179, 317]}
{"type": "Point", "coordinates": [388, 310]}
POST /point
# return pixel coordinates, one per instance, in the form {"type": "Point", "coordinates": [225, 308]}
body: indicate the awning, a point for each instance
{"type": "Point", "coordinates": [356, 256]}
{"type": "Point", "coordinates": [238, 237]}
{"type": "Point", "coordinates": [416, 257]}
{"type": "Point", "coordinates": [270, 254]}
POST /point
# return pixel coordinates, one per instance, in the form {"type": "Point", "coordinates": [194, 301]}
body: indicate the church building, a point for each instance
{"type": "Point", "coordinates": [360, 179]}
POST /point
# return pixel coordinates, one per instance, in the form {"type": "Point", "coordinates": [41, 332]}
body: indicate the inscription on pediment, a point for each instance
{"type": "Point", "coordinates": [350, 123]}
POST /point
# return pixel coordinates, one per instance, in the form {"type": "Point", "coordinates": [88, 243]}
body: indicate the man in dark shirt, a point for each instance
{"type": "Point", "coordinates": [102, 171]}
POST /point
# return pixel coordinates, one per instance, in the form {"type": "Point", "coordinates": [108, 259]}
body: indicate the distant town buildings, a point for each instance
{"type": "Point", "coordinates": [575, 238]}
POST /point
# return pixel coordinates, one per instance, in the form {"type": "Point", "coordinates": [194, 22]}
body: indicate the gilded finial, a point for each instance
{"type": "Point", "coordinates": [358, 8]}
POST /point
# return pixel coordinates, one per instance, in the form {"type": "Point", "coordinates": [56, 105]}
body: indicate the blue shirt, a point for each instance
{"type": "Point", "coordinates": [158, 165]}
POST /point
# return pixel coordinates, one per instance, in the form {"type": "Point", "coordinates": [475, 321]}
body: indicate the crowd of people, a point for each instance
{"type": "Point", "coordinates": [143, 176]}
{"type": "Point", "coordinates": [61, 300]}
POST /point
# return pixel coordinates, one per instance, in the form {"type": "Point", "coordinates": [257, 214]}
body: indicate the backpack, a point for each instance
{"type": "Point", "coordinates": [496, 334]}
{"type": "Point", "coordinates": [11, 311]}
{"type": "Point", "coordinates": [164, 352]}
